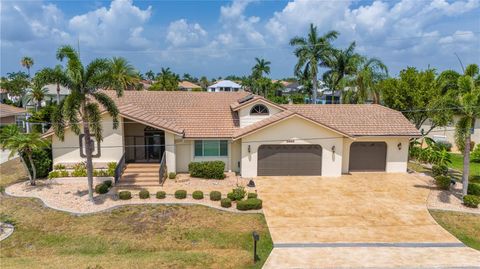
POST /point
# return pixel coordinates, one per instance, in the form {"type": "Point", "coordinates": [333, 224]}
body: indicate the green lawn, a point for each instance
{"type": "Point", "coordinates": [464, 226]}
{"type": "Point", "coordinates": [152, 236]}
{"type": "Point", "coordinates": [457, 164]}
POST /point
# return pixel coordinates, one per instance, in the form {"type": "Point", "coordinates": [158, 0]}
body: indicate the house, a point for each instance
{"type": "Point", "coordinates": [12, 115]}
{"type": "Point", "coordinates": [224, 86]}
{"type": "Point", "coordinates": [250, 134]}
{"type": "Point", "coordinates": [51, 93]}
{"type": "Point", "coordinates": [447, 133]}
{"type": "Point", "coordinates": [188, 86]}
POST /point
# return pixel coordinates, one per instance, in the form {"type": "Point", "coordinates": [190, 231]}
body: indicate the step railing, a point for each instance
{"type": "Point", "coordinates": [119, 168]}
{"type": "Point", "coordinates": [162, 171]}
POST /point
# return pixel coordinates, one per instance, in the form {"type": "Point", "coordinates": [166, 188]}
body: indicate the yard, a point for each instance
{"type": "Point", "coordinates": [147, 236]}
{"type": "Point", "coordinates": [464, 226]}
{"type": "Point", "coordinates": [457, 164]}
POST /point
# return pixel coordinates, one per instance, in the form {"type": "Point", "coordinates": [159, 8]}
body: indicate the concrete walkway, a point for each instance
{"type": "Point", "coordinates": [356, 221]}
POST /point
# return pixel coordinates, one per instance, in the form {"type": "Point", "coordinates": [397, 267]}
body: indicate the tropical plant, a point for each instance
{"type": "Point", "coordinates": [261, 66]}
{"type": "Point", "coordinates": [27, 62]}
{"type": "Point", "coordinates": [166, 80]}
{"type": "Point", "coordinates": [51, 75]}
{"type": "Point", "coordinates": [312, 51]}
{"type": "Point", "coordinates": [369, 73]}
{"type": "Point", "coordinates": [36, 95]}
{"type": "Point", "coordinates": [204, 82]}
{"type": "Point", "coordinates": [81, 109]}
{"type": "Point", "coordinates": [15, 83]}
{"type": "Point", "coordinates": [150, 75]}
{"type": "Point", "coordinates": [124, 75]}
{"type": "Point", "coordinates": [24, 145]}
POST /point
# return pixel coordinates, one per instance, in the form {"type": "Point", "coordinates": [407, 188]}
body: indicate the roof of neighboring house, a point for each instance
{"type": "Point", "coordinates": [225, 84]}
{"type": "Point", "coordinates": [8, 110]}
{"type": "Point", "coordinates": [187, 85]}
{"type": "Point", "coordinates": [213, 115]}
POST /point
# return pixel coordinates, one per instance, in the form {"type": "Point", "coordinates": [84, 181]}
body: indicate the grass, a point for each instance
{"type": "Point", "coordinates": [147, 236]}
{"type": "Point", "coordinates": [464, 226]}
{"type": "Point", "coordinates": [457, 164]}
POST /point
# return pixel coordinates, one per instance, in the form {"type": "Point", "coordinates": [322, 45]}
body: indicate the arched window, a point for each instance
{"type": "Point", "coordinates": [259, 110]}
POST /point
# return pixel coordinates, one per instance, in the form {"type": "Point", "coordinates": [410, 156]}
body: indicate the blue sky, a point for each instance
{"type": "Point", "coordinates": [218, 38]}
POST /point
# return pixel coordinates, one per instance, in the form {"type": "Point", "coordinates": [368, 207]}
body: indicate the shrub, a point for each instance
{"type": "Point", "coordinates": [237, 194]}
{"type": "Point", "coordinates": [439, 170]}
{"type": "Point", "coordinates": [161, 195]}
{"type": "Point", "coordinates": [79, 170]}
{"type": "Point", "coordinates": [125, 195]}
{"type": "Point", "coordinates": [101, 188]}
{"type": "Point", "coordinates": [474, 189]}
{"type": "Point", "coordinates": [475, 155]}
{"type": "Point", "coordinates": [59, 167]}
{"type": "Point", "coordinates": [42, 158]}
{"type": "Point", "coordinates": [109, 183]}
{"type": "Point", "coordinates": [64, 173]}
{"type": "Point", "coordinates": [144, 194]}
{"type": "Point", "coordinates": [252, 195]}
{"type": "Point", "coordinates": [444, 145]}
{"type": "Point", "coordinates": [471, 201]}
{"type": "Point", "coordinates": [181, 194]}
{"type": "Point", "coordinates": [226, 202]}
{"type": "Point", "coordinates": [100, 173]}
{"type": "Point", "coordinates": [197, 195]}
{"type": "Point", "coordinates": [249, 204]}
{"type": "Point", "coordinates": [211, 169]}
{"type": "Point", "coordinates": [442, 182]}
{"type": "Point", "coordinates": [57, 174]}
{"type": "Point", "coordinates": [111, 166]}
{"type": "Point", "coordinates": [172, 175]}
{"type": "Point", "coordinates": [215, 196]}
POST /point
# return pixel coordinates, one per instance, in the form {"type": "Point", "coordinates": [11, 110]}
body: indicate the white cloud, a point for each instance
{"type": "Point", "coordinates": [182, 33]}
{"type": "Point", "coordinates": [118, 27]}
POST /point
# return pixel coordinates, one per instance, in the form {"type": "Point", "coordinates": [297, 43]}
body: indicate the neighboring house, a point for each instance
{"type": "Point", "coordinates": [12, 115]}
{"type": "Point", "coordinates": [447, 133]}
{"type": "Point", "coordinates": [188, 86]}
{"type": "Point", "coordinates": [51, 94]}
{"type": "Point", "coordinates": [250, 134]}
{"type": "Point", "coordinates": [292, 87]}
{"type": "Point", "coordinates": [224, 86]}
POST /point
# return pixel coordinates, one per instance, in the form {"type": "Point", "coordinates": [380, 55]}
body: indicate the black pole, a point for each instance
{"type": "Point", "coordinates": [256, 237]}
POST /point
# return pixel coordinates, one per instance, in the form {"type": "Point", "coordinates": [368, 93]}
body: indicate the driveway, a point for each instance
{"type": "Point", "coordinates": [362, 220]}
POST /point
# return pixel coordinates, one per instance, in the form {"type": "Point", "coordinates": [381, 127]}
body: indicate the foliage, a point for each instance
{"type": "Point", "coordinates": [42, 158]}
{"type": "Point", "coordinates": [237, 194]}
{"type": "Point", "coordinates": [431, 154]}
{"type": "Point", "coordinates": [166, 80]}
{"type": "Point", "coordinates": [125, 195]}
{"type": "Point", "coordinates": [15, 83]}
{"type": "Point", "coordinates": [27, 62]}
{"type": "Point", "coordinates": [79, 170]}
{"type": "Point", "coordinates": [35, 95]}
{"type": "Point", "coordinates": [261, 66]}
{"type": "Point", "coordinates": [252, 195]}
{"type": "Point", "coordinates": [249, 204]}
{"type": "Point", "coordinates": [100, 173]}
{"type": "Point", "coordinates": [57, 174]}
{"type": "Point", "coordinates": [109, 183]}
{"type": "Point", "coordinates": [124, 75]}
{"type": "Point", "coordinates": [444, 145]}
{"type": "Point", "coordinates": [210, 169]}
{"type": "Point", "coordinates": [180, 194]}
{"type": "Point", "coordinates": [297, 98]}
{"type": "Point", "coordinates": [42, 117]}
{"type": "Point", "coordinates": [471, 200]}
{"type": "Point", "coordinates": [111, 166]}
{"type": "Point", "coordinates": [161, 195]}
{"type": "Point", "coordinates": [197, 195]}
{"type": "Point", "coordinates": [215, 195]}
{"type": "Point", "coordinates": [144, 194]}
{"type": "Point", "coordinates": [439, 170]}
{"type": "Point", "coordinates": [101, 188]}
{"type": "Point", "coordinates": [54, 75]}
{"type": "Point", "coordinates": [475, 155]}
{"type": "Point", "coordinates": [474, 189]}
{"type": "Point", "coordinates": [370, 72]}
{"type": "Point", "coordinates": [443, 182]}
{"type": "Point", "coordinates": [172, 175]}
{"type": "Point", "coordinates": [226, 202]}
{"type": "Point", "coordinates": [59, 167]}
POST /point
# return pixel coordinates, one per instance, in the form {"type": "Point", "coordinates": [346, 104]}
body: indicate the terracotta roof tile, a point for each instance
{"type": "Point", "coordinates": [8, 110]}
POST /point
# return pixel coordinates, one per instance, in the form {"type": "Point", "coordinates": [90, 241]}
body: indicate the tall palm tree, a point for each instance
{"type": "Point", "coordinates": [468, 110]}
{"type": "Point", "coordinates": [341, 63]}
{"type": "Point", "coordinates": [81, 109]}
{"type": "Point", "coordinates": [51, 75]}
{"type": "Point", "coordinates": [27, 62]}
{"type": "Point", "coordinates": [22, 144]}
{"type": "Point", "coordinates": [150, 75]}
{"type": "Point", "coordinates": [370, 72]}
{"type": "Point", "coordinates": [204, 82]}
{"type": "Point", "coordinates": [124, 75]}
{"type": "Point", "coordinates": [261, 66]}
{"type": "Point", "coordinates": [36, 95]}
{"type": "Point", "coordinates": [311, 52]}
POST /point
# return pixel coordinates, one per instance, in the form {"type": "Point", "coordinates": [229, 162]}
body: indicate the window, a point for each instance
{"type": "Point", "coordinates": [259, 110]}
{"type": "Point", "coordinates": [211, 148]}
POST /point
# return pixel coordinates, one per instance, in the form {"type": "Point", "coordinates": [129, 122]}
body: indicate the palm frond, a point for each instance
{"type": "Point", "coordinates": [109, 105]}
{"type": "Point", "coordinates": [74, 65]}
{"type": "Point", "coordinates": [94, 120]}
{"type": "Point", "coordinates": [58, 120]}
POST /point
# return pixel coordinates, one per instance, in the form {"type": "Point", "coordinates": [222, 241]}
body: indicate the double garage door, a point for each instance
{"type": "Point", "coordinates": [289, 160]}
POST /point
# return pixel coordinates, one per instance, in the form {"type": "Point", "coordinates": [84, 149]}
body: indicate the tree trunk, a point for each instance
{"type": "Point", "coordinates": [88, 153]}
{"type": "Point", "coordinates": [33, 178]}
{"type": "Point", "coordinates": [314, 88]}
{"type": "Point", "coordinates": [466, 163]}
{"type": "Point", "coordinates": [58, 93]}
{"type": "Point", "coordinates": [25, 166]}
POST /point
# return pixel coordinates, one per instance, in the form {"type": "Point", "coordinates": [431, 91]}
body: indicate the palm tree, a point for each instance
{"type": "Point", "coordinates": [369, 73]}
{"type": "Point", "coordinates": [150, 75]}
{"type": "Point", "coordinates": [36, 95]}
{"type": "Point", "coordinates": [311, 52]}
{"type": "Point", "coordinates": [166, 80]}
{"type": "Point", "coordinates": [22, 144]}
{"type": "Point", "coordinates": [204, 82]}
{"type": "Point", "coordinates": [341, 63]}
{"type": "Point", "coordinates": [124, 75]}
{"type": "Point", "coordinates": [262, 66]}
{"type": "Point", "coordinates": [27, 62]}
{"type": "Point", "coordinates": [51, 75]}
{"type": "Point", "coordinates": [82, 106]}
{"type": "Point", "coordinates": [468, 110]}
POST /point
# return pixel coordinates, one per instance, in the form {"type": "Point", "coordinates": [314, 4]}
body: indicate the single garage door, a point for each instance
{"type": "Point", "coordinates": [368, 156]}
{"type": "Point", "coordinates": [289, 160]}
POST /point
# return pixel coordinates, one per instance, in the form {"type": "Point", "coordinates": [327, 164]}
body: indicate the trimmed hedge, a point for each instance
{"type": "Point", "coordinates": [225, 202]}
{"type": "Point", "coordinates": [215, 196]}
{"type": "Point", "coordinates": [237, 194]}
{"type": "Point", "coordinates": [108, 183]}
{"type": "Point", "coordinates": [101, 188]}
{"type": "Point", "coordinates": [181, 194]}
{"type": "Point", "coordinates": [474, 189]}
{"type": "Point", "coordinates": [439, 170]}
{"type": "Point", "coordinates": [161, 195]}
{"type": "Point", "coordinates": [210, 170]}
{"type": "Point", "coordinates": [442, 182]}
{"type": "Point", "coordinates": [144, 194]}
{"type": "Point", "coordinates": [125, 195]}
{"type": "Point", "coordinates": [172, 175]}
{"type": "Point", "coordinates": [197, 195]}
{"type": "Point", "coordinates": [58, 173]}
{"type": "Point", "coordinates": [249, 204]}
{"type": "Point", "coordinates": [471, 201]}
{"type": "Point", "coordinates": [252, 195]}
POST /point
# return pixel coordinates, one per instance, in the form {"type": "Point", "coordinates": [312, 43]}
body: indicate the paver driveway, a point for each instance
{"type": "Point", "coordinates": [371, 220]}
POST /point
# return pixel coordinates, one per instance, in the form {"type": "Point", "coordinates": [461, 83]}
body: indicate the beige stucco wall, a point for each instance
{"type": "Point", "coordinates": [68, 152]}
{"type": "Point", "coordinates": [170, 153]}
{"type": "Point", "coordinates": [294, 130]}
{"type": "Point", "coordinates": [247, 119]}
{"type": "Point", "coordinates": [396, 159]}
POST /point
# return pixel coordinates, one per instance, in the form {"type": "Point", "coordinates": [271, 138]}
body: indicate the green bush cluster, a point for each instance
{"type": "Point", "coordinates": [144, 194]}
{"type": "Point", "coordinates": [439, 170]}
{"type": "Point", "coordinates": [172, 175]}
{"type": "Point", "coordinates": [197, 195]}
{"type": "Point", "coordinates": [215, 195]}
{"type": "Point", "coordinates": [109, 183]}
{"type": "Point", "coordinates": [237, 194]}
{"type": "Point", "coordinates": [474, 189]}
{"type": "Point", "coordinates": [181, 194]}
{"type": "Point", "coordinates": [79, 170]}
{"type": "Point", "coordinates": [252, 195]}
{"type": "Point", "coordinates": [210, 170]}
{"type": "Point", "coordinates": [161, 195]}
{"type": "Point", "coordinates": [100, 173]}
{"type": "Point", "coordinates": [444, 145]}
{"type": "Point", "coordinates": [58, 173]}
{"type": "Point", "coordinates": [475, 155]}
{"type": "Point", "coordinates": [42, 158]}
{"type": "Point", "coordinates": [111, 166]}
{"type": "Point", "coordinates": [249, 204]}
{"type": "Point", "coordinates": [125, 195]}
{"type": "Point", "coordinates": [101, 188]}
{"type": "Point", "coordinates": [442, 182]}
{"type": "Point", "coordinates": [226, 202]}
{"type": "Point", "coordinates": [59, 167]}
{"type": "Point", "coordinates": [471, 201]}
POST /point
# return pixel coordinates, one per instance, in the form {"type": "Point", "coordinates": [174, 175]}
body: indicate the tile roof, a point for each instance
{"type": "Point", "coordinates": [187, 85]}
{"type": "Point", "coordinates": [8, 110]}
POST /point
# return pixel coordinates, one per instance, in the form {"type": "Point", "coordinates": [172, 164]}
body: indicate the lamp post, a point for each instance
{"type": "Point", "coordinates": [256, 237]}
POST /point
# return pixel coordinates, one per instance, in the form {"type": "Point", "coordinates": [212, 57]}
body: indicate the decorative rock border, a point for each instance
{"type": "Point", "coordinates": [7, 230]}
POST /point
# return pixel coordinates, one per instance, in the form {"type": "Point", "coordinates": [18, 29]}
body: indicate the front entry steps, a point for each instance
{"type": "Point", "coordinates": [139, 175]}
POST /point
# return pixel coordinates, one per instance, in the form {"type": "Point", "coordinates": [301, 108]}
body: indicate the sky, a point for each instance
{"type": "Point", "coordinates": [220, 38]}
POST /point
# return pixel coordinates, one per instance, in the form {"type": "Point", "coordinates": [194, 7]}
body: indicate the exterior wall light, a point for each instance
{"type": "Point", "coordinates": [249, 149]}
{"type": "Point", "coordinates": [399, 146]}
{"type": "Point", "coordinates": [333, 149]}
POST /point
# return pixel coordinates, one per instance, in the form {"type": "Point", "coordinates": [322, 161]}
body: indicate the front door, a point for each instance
{"type": "Point", "coordinates": [153, 147]}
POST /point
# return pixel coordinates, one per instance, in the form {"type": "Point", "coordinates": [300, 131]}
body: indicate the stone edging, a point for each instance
{"type": "Point", "coordinates": [8, 230]}
{"type": "Point", "coordinates": [466, 211]}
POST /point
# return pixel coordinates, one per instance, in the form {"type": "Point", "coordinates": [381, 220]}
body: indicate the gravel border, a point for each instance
{"type": "Point", "coordinates": [7, 230]}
